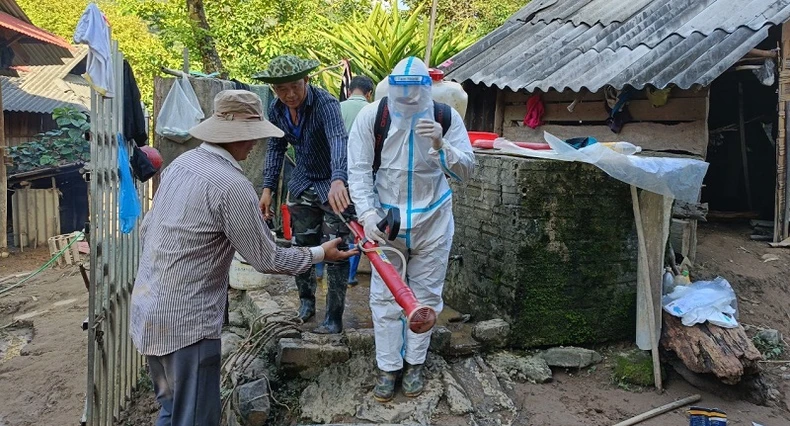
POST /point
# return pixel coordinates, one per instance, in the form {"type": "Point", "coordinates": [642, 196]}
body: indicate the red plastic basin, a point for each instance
{"type": "Point", "coordinates": [486, 136]}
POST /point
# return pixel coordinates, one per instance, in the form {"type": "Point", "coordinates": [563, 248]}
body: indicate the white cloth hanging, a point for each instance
{"type": "Point", "coordinates": [93, 30]}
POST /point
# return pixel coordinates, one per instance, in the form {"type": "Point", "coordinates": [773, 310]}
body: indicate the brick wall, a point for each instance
{"type": "Point", "coordinates": [550, 246]}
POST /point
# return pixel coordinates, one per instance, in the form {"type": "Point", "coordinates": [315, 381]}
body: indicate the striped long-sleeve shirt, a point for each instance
{"type": "Point", "coordinates": [320, 143]}
{"type": "Point", "coordinates": [203, 210]}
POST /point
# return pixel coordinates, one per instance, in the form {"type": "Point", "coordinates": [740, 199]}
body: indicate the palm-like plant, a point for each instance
{"type": "Point", "coordinates": [376, 43]}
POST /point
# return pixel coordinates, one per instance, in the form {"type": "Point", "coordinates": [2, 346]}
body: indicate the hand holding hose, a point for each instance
{"type": "Point", "coordinates": [370, 222]}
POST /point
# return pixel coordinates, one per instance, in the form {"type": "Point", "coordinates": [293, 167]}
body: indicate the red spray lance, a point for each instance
{"type": "Point", "coordinates": [420, 318]}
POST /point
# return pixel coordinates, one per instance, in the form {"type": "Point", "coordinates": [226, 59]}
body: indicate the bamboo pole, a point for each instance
{"type": "Point", "coordinates": [3, 188]}
{"type": "Point", "coordinates": [660, 410]}
{"type": "Point", "coordinates": [429, 45]}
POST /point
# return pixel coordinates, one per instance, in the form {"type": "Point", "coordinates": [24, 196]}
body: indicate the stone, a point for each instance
{"type": "Point", "coordinates": [252, 402]}
{"type": "Point", "coordinates": [463, 347]}
{"type": "Point", "coordinates": [634, 367]}
{"type": "Point", "coordinates": [509, 366]}
{"type": "Point", "coordinates": [570, 357]}
{"type": "Point", "coordinates": [336, 390]}
{"type": "Point", "coordinates": [230, 343]}
{"type": "Point", "coordinates": [236, 319]}
{"type": "Point", "coordinates": [440, 340]}
{"type": "Point", "coordinates": [323, 339]}
{"type": "Point", "coordinates": [361, 341]}
{"type": "Point", "coordinates": [492, 333]}
{"type": "Point", "coordinates": [418, 410]}
{"type": "Point", "coordinates": [299, 356]}
{"type": "Point", "coordinates": [771, 337]}
{"type": "Point", "coordinates": [454, 393]}
{"type": "Point", "coordinates": [492, 405]}
{"type": "Point", "coordinates": [255, 368]}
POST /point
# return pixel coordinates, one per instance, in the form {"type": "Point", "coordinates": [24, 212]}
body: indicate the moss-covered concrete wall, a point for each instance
{"type": "Point", "coordinates": [550, 246]}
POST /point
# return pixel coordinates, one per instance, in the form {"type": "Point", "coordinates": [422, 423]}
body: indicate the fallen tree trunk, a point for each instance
{"type": "Point", "coordinates": [703, 348]}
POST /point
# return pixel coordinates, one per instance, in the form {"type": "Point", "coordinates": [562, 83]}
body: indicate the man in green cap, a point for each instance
{"type": "Point", "coordinates": [313, 124]}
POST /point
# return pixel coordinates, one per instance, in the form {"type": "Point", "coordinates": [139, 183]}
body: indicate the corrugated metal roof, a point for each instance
{"type": "Point", "coordinates": [42, 49]}
{"type": "Point", "coordinates": [575, 44]}
{"type": "Point", "coordinates": [41, 89]}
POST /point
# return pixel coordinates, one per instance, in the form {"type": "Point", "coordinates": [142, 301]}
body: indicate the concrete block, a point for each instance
{"type": "Point", "coordinates": [295, 355]}
{"type": "Point", "coordinates": [361, 341]}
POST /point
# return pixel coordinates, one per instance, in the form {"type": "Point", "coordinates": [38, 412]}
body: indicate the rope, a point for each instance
{"type": "Point", "coordinates": [45, 266]}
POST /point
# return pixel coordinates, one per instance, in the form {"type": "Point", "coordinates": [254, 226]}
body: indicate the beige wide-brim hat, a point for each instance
{"type": "Point", "coordinates": [238, 116]}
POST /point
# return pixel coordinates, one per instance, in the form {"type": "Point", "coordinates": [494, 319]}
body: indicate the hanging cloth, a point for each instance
{"type": "Point", "coordinates": [134, 125]}
{"type": "Point", "coordinates": [657, 97]}
{"type": "Point", "coordinates": [617, 108]}
{"type": "Point", "coordinates": [93, 30]}
{"type": "Point", "coordinates": [535, 111]}
{"type": "Point", "coordinates": [345, 82]}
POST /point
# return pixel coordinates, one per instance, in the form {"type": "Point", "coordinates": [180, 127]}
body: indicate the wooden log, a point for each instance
{"type": "Point", "coordinates": [684, 210]}
{"type": "Point", "coordinates": [727, 353]}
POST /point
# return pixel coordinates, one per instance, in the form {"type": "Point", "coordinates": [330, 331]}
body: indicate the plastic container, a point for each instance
{"type": "Point", "coordinates": [623, 147]}
{"type": "Point", "coordinates": [446, 92]}
{"type": "Point", "coordinates": [668, 283]}
{"type": "Point", "coordinates": [482, 136]}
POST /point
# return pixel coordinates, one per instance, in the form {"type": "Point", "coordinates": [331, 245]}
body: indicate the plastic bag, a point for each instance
{"type": "Point", "coordinates": [712, 301]}
{"type": "Point", "coordinates": [679, 178]}
{"type": "Point", "coordinates": [180, 112]}
{"type": "Point", "coordinates": [128, 203]}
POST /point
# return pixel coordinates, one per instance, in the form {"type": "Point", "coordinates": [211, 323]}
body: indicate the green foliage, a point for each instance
{"type": "Point", "coordinates": [377, 42]}
{"type": "Point", "coordinates": [64, 145]}
{"type": "Point", "coordinates": [481, 16]}
{"type": "Point", "coordinates": [770, 350]}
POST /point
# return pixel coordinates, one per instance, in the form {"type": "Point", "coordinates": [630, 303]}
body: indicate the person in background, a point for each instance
{"type": "Point", "coordinates": [361, 94]}
{"type": "Point", "coordinates": [203, 211]}
{"type": "Point", "coordinates": [415, 155]}
{"type": "Point", "coordinates": [313, 125]}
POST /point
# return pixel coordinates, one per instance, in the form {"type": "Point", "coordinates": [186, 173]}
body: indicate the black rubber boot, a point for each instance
{"type": "Point", "coordinates": [337, 277]}
{"type": "Point", "coordinates": [306, 283]}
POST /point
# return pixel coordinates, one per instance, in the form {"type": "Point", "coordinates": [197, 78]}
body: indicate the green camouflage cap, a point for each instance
{"type": "Point", "coordinates": [285, 69]}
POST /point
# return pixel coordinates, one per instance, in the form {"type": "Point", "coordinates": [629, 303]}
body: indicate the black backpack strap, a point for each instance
{"type": "Point", "coordinates": [443, 115]}
{"type": "Point", "coordinates": [380, 129]}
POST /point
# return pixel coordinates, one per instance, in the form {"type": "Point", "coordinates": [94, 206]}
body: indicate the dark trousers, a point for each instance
{"type": "Point", "coordinates": [186, 384]}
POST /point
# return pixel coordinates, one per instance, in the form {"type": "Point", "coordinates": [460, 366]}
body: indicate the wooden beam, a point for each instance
{"type": "Point", "coordinates": [676, 110]}
{"type": "Point", "coordinates": [499, 111]}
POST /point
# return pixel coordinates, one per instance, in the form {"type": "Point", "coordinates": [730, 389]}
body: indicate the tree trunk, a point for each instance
{"type": "Point", "coordinates": [728, 353]}
{"type": "Point", "coordinates": [205, 42]}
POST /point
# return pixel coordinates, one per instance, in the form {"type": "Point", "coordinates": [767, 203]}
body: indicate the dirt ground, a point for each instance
{"type": "Point", "coordinates": [46, 384]}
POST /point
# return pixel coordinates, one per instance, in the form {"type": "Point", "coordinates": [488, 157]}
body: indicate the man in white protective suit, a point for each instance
{"type": "Point", "coordinates": [417, 156]}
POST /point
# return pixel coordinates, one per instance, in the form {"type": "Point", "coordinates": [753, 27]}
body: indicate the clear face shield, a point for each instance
{"type": "Point", "coordinates": [409, 96]}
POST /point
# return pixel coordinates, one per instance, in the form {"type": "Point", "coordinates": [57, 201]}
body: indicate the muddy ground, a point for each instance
{"type": "Point", "coordinates": [43, 382]}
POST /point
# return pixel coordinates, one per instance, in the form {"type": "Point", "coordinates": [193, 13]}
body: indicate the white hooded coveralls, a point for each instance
{"type": "Point", "coordinates": [412, 178]}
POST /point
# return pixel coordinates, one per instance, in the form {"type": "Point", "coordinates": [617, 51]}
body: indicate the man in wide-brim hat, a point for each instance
{"type": "Point", "coordinates": [203, 211]}
{"type": "Point", "coordinates": [313, 124]}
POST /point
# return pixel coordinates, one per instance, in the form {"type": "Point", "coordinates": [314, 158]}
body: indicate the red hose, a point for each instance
{"type": "Point", "coordinates": [420, 318]}
{"type": "Point", "coordinates": [286, 222]}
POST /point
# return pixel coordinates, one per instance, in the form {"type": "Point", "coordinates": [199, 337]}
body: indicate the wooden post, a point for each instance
{"type": "Point", "coordinates": [3, 186]}
{"type": "Point", "coordinates": [429, 45]}
{"type": "Point", "coordinates": [499, 112]}
{"type": "Point", "coordinates": [652, 228]}
{"type": "Point", "coordinates": [744, 158]}
{"type": "Point", "coordinates": [781, 211]}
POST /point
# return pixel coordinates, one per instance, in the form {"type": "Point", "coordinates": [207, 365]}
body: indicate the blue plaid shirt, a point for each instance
{"type": "Point", "coordinates": [319, 141]}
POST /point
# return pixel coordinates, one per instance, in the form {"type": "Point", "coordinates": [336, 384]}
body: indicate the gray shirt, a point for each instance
{"type": "Point", "coordinates": [203, 210]}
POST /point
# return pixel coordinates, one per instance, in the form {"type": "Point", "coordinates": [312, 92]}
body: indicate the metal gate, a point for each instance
{"type": "Point", "coordinates": [113, 363]}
